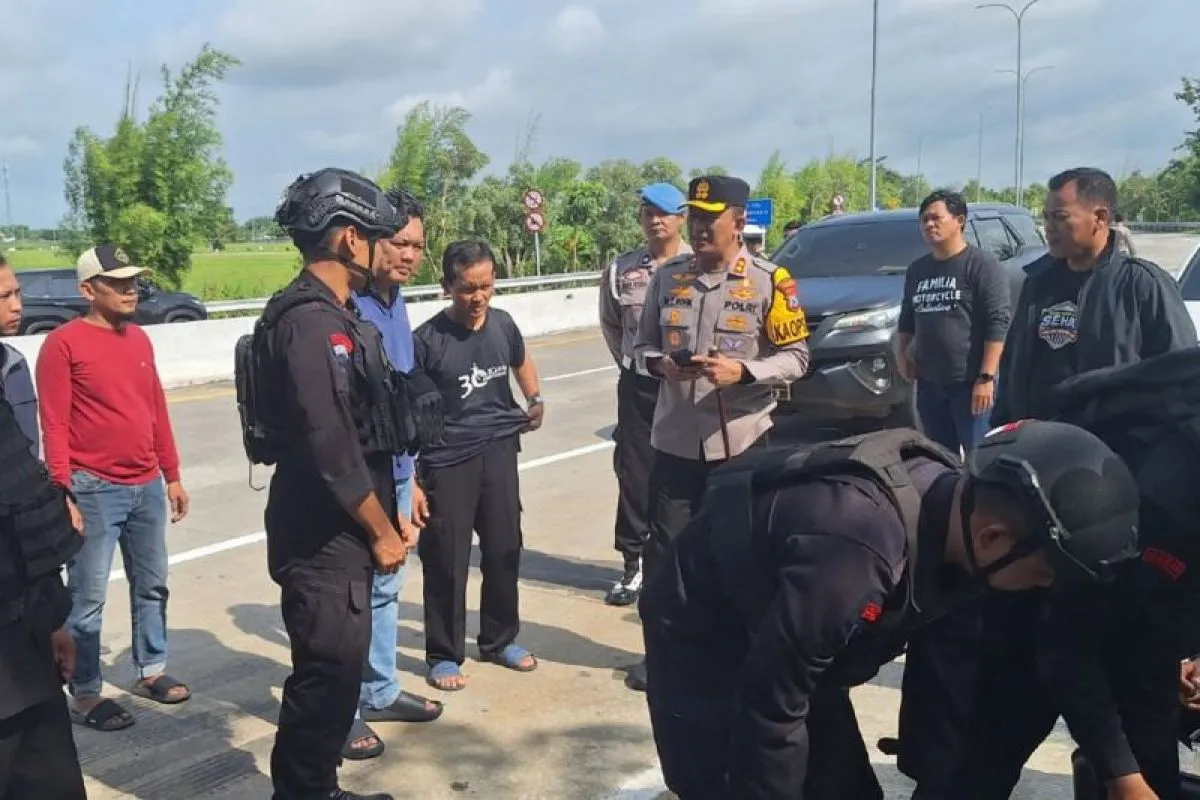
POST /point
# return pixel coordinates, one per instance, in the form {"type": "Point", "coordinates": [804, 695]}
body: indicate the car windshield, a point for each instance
{"type": "Point", "coordinates": [871, 247]}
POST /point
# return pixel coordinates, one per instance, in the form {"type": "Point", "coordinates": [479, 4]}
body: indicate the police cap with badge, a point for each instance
{"type": "Point", "coordinates": [717, 193]}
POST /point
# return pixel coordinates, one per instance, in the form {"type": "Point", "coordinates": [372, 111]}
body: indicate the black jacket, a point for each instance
{"type": "Point", "coordinates": [1129, 309]}
{"type": "Point", "coordinates": [28, 674]}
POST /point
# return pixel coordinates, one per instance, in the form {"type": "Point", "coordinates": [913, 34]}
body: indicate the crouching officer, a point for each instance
{"type": "Point", "coordinates": [37, 655]}
{"type": "Point", "coordinates": [327, 408]}
{"type": "Point", "coordinates": [807, 569]}
{"type": "Point", "coordinates": [719, 327]}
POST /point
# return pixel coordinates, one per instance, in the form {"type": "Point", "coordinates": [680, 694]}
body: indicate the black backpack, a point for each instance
{"type": "Point", "coordinates": [256, 405]}
{"type": "Point", "coordinates": [1148, 412]}
{"type": "Point", "coordinates": [880, 456]}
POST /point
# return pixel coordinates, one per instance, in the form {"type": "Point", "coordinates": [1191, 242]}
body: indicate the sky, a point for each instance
{"type": "Point", "coordinates": [701, 81]}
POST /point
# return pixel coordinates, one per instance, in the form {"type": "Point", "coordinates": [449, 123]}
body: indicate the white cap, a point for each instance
{"type": "Point", "coordinates": [754, 230]}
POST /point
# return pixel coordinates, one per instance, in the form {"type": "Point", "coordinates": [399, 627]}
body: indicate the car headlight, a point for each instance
{"type": "Point", "coordinates": [878, 319]}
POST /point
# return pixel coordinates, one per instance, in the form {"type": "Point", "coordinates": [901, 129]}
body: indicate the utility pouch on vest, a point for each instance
{"type": "Point", "coordinates": [391, 426]}
{"type": "Point", "coordinates": [732, 489]}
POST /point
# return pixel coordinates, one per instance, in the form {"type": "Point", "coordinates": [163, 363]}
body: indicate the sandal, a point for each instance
{"type": "Point", "coordinates": [406, 707]}
{"type": "Point", "coordinates": [98, 718]}
{"type": "Point", "coordinates": [159, 690]}
{"type": "Point", "coordinates": [361, 730]}
{"type": "Point", "coordinates": [442, 671]}
{"type": "Point", "coordinates": [511, 657]}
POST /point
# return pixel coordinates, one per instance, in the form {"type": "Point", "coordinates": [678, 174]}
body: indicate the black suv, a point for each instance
{"type": "Point", "coordinates": [51, 297]}
{"type": "Point", "coordinates": [850, 270]}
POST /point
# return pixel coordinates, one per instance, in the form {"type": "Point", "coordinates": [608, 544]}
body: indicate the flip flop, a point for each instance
{"type": "Point", "coordinates": [98, 718]}
{"type": "Point", "coordinates": [441, 671]}
{"type": "Point", "coordinates": [511, 657]}
{"type": "Point", "coordinates": [160, 690]}
{"type": "Point", "coordinates": [407, 707]}
{"type": "Point", "coordinates": [361, 730]}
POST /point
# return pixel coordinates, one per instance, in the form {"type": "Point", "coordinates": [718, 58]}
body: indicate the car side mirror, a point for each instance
{"type": "Point", "coordinates": [1005, 251]}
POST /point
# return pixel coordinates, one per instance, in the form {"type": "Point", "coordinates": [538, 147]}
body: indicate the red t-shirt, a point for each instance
{"type": "Point", "coordinates": [102, 406]}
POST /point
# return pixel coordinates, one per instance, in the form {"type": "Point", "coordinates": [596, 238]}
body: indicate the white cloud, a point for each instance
{"type": "Point", "coordinates": [576, 28]}
{"type": "Point", "coordinates": [493, 92]}
{"type": "Point", "coordinates": [19, 146]}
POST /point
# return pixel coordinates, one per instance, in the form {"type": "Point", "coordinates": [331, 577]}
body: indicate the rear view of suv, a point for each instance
{"type": "Point", "coordinates": [850, 271]}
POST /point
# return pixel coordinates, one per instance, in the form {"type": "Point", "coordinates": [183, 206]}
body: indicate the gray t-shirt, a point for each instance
{"type": "Point", "coordinates": [951, 308]}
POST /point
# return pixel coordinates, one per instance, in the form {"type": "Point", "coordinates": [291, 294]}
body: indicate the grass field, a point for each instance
{"type": "Point", "coordinates": [242, 271]}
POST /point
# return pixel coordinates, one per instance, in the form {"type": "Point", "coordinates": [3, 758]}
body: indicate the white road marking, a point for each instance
{"type": "Point", "coordinates": [255, 538]}
{"type": "Point", "coordinates": [578, 374]}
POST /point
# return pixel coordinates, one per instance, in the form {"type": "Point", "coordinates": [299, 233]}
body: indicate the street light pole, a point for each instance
{"type": "Point", "coordinates": [979, 163]}
{"type": "Point", "coordinates": [874, 76]}
{"type": "Point", "coordinates": [1019, 16]}
{"type": "Point", "coordinates": [1021, 121]}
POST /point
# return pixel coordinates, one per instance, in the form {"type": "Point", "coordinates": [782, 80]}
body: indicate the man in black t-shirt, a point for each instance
{"type": "Point", "coordinates": [468, 482]}
{"type": "Point", "coordinates": [953, 318]}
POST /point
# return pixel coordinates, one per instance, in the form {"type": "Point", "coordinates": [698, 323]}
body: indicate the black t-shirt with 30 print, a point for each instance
{"type": "Point", "coordinates": [472, 371]}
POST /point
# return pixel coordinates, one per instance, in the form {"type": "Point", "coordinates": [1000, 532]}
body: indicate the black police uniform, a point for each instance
{"type": "Point", "coordinates": [37, 750]}
{"type": "Point", "coordinates": [750, 656]}
{"type": "Point", "coordinates": [789, 588]}
{"type": "Point", "coordinates": [1107, 657]}
{"type": "Point", "coordinates": [318, 554]}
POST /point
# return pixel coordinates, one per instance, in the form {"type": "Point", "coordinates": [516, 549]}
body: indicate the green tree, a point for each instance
{"type": "Point", "coordinates": [156, 188]}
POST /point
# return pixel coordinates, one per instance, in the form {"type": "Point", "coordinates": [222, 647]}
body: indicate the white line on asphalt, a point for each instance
{"type": "Point", "coordinates": [578, 374]}
{"type": "Point", "coordinates": [255, 538]}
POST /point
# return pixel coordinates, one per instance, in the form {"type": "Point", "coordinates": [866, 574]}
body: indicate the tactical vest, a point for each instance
{"type": "Point", "coordinates": [383, 420]}
{"type": "Point", "coordinates": [879, 456]}
{"type": "Point", "coordinates": [36, 537]}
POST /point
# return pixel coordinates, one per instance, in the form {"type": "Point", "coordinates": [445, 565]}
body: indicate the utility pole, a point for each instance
{"type": "Point", "coordinates": [979, 162]}
{"type": "Point", "coordinates": [1019, 16]}
{"type": "Point", "coordinates": [874, 77]}
{"type": "Point", "coordinates": [7, 202]}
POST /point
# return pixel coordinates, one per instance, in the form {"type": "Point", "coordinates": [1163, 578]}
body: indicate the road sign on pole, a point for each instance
{"type": "Point", "coordinates": [532, 200]}
{"type": "Point", "coordinates": [535, 222]}
{"type": "Point", "coordinates": [760, 211]}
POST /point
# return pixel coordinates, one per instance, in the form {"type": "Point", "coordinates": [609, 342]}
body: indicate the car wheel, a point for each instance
{"type": "Point", "coordinates": [181, 316]}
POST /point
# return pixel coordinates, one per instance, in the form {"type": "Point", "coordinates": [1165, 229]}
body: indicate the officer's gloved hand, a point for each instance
{"type": "Point", "coordinates": [425, 404]}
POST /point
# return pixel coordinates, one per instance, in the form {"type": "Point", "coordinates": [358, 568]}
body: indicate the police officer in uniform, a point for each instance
{"type": "Point", "coordinates": [807, 568]}
{"type": "Point", "coordinates": [331, 514]}
{"type": "Point", "coordinates": [623, 287]}
{"type": "Point", "coordinates": [720, 326]}
{"type": "Point", "coordinates": [37, 654]}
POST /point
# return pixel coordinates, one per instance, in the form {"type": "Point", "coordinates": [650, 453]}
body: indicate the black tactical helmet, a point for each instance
{"type": "Point", "coordinates": [319, 200]}
{"type": "Point", "coordinates": [1081, 497]}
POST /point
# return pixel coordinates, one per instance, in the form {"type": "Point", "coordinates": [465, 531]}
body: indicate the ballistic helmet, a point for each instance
{"type": "Point", "coordinates": [317, 201]}
{"type": "Point", "coordinates": [1080, 497]}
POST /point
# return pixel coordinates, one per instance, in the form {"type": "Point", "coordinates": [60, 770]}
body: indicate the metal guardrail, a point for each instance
{"type": "Point", "coordinates": [428, 292]}
{"type": "Point", "coordinates": [1163, 227]}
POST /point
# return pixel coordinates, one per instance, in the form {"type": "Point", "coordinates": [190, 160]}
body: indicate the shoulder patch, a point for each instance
{"type": "Point", "coordinates": [341, 345]}
{"type": "Point", "coordinates": [786, 322]}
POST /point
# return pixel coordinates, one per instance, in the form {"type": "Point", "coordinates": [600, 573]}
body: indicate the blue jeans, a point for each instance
{"type": "Point", "coordinates": [380, 687]}
{"type": "Point", "coordinates": [945, 412]}
{"type": "Point", "coordinates": [135, 516]}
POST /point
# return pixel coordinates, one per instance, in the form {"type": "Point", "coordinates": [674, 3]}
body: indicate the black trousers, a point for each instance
{"type": "Point", "coordinates": [482, 495]}
{"type": "Point", "coordinates": [677, 488]}
{"type": "Point", "coordinates": [1016, 702]}
{"type": "Point", "coordinates": [937, 689]}
{"type": "Point", "coordinates": [691, 694]}
{"type": "Point", "coordinates": [633, 459]}
{"type": "Point", "coordinates": [325, 600]}
{"type": "Point", "coordinates": [38, 760]}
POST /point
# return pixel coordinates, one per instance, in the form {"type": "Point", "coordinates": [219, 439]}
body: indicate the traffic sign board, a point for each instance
{"type": "Point", "coordinates": [532, 199]}
{"type": "Point", "coordinates": [535, 222]}
{"type": "Point", "coordinates": [760, 211]}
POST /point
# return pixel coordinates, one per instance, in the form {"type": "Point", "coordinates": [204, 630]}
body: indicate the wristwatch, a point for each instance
{"type": "Point", "coordinates": [985, 377]}
{"type": "Point", "coordinates": [535, 400]}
